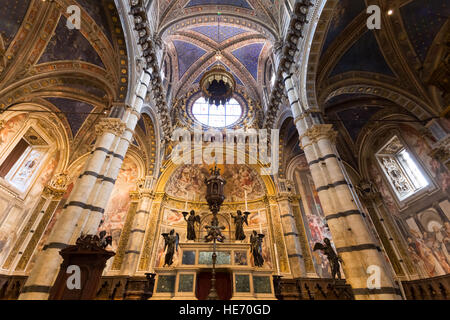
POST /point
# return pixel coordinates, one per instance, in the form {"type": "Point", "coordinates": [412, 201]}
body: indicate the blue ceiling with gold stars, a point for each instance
{"type": "Point", "coordinates": [344, 12]}
{"type": "Point", "coordinates": [75, 111]}
{"type": "Point", "coordinates": [212, 32]}
{"type": "Point", "coordinates": [69, 44]}
{"type": "Point", "coordinates": [11, 15]}
{"type": "Point", "coordinates": [364, 55]}
{"type": "Point", "coordinates": [248, 56]}
{"type": "Point", "coordinates": [187, 54]}
{"type": "Point", "coordinates": [423, 20]}
{"type": "Point", "coordinates": [355, 119]}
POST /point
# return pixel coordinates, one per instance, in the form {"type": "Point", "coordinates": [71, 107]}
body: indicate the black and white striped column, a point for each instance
{"type": "Point", "coordinates": [351, 236]}
{"type": "Point", "coordinates": [291, 237]}
{"type": "Point", "coordinates": [47, 265]}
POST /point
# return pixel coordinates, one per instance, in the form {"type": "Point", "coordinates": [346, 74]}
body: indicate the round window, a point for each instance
{"type": "Point", "coordinates": [217, 116]}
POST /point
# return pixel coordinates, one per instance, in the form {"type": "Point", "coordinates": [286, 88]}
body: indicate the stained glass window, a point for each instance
{"type": "Point", "coordinates": [217, 116]}
{"type": "Point", "coordinates": [401, 169]}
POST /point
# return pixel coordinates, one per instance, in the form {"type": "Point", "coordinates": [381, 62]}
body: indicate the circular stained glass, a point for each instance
{"type": "Point", "coordinates": [217, 116]}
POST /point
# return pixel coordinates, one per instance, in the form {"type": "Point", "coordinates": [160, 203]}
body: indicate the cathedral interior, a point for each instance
{"type": "Point", "coordinates": [354, 99]}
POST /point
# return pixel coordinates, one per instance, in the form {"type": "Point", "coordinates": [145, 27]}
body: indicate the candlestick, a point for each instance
{"type": "Point", "coordinates": [276, 258]}
{"type": "Point", "coordinates": [245, 193]}
{"type": "Point", "coordinates": [260, 225]}
{"type": "Point", "coordinates": [185, 206]}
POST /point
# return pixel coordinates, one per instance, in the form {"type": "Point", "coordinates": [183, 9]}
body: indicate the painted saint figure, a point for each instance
{"type": "Point", "coordinates": [256, 248]}
{"type": "Point", "coordinates": [191, 220]}
{"type": "Point", "coordinates": [332, 256]}
{"type": "Point", "coordinates": [171, 244]}
{"type": "Point", "coordinates": [239, 221]}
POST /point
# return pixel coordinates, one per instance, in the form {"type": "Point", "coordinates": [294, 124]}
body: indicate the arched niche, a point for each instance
{"type": "Point", "coordinates": [182, 189]}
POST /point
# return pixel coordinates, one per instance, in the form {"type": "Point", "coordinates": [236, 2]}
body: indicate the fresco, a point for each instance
{"type": "Point", "coordinates": [428, 245]}
{"type": "Point", "coordinates": [187, 182]}
{"type": "Point", "coordinates": [422, 150]}
{"type": "Point", "coordinates": [314, 219]}
{"type": "Point", "coordinates": [430, 249]}
{"type": "Point", "coordinates": [10, 128]}
{"type": "Point", "coordinates": [117, 209]}
{"type": "Point", "coordinates": [74, 174]}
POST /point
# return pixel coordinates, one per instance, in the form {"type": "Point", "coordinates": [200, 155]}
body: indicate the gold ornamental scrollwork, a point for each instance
{"type": "Point", "coordinates": [57, 187]}
{"type": "Point", "coordinates": [111, 125]}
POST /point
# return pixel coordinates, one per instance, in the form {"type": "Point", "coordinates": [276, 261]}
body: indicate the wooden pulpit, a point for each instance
{"type": "Point", "coordinates": [81, 270]}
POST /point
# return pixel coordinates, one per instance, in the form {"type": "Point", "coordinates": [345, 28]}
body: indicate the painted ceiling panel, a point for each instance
{"type": "Point", "coordinates": [98, 12]}
{"type": "Point", "coordinates": [248, 56]}
{"type": "Point", "coordinates": [11, 15]}
{"type": "Point", "coordinates": [69, 44]}
{"type": "Point", "coordinates": [364, 55]}
{"type": "Point", "coordinates": [423, 20]}
{"type": "Point", "coordinates": [76, 111]}
{"type": "Point", "coordinates": [345, 12]}
{"type": "Point", "coordinates": [212, 32]}
{"type": "Point", "coordinates": [355, 119]}
{"type": "Point", "coordinates": [188, 54]}
{"type": "Point", "coordinates": [234, 3]}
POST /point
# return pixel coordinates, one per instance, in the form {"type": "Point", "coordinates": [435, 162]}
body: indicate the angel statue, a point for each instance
{"type": "Point", "coordinates": [239, 221]}
{"type": "Point", "coordinates": [332, 256]}
{"type": "Point", "coordinates": [104, 241]}
{"type": "Point", "coordinates": [171, 243]}
{"type": "Point", "coordinates": [256, 248]}
{"type": "Point", "coordinates": [191, 220]}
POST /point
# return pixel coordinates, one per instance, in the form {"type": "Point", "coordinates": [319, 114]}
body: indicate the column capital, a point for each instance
{"type": "Point", "coordinates": [319, 132]}
{"type": "Point", "coordinates": [285, 197]}
{"type": "Point", "coordinates": [135, 196]}
{"type": "Point", "coordinates": [441, 151]}
{"type": "Point", "coordinates": [307, 113]}
{"type": "Point", "coordinates": [111, 125]}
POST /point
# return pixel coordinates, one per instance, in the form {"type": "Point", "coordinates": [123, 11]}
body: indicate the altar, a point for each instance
{"type": "Point", "coordinates": [185, 281]}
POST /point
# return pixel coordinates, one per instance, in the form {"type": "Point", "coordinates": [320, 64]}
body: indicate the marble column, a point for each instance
{"type": "Point", "coordinates": [351, 236]}
{"type": "Point", "coordinates": [131, 258]}
{"type": "Point", "coordinates": [43, 275]}
{"type": "Point", "coordinates": [291, 237]}
{"type": "Point", "coordinates": [131, 117]}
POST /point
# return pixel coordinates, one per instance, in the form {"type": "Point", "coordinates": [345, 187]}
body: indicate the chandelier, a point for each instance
{"type": "Point", "coordinates": [217, 85]}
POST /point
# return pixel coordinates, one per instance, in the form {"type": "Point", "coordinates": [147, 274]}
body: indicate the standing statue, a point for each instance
{"type": "Point", "coordinates": [332, 256]}
{"type": "Point", "coordinates": [256, 248]}
{"type": "Point", "coordinates": [191, 220]}
{"type": "Point", "coordinates": [171, 244]}
{"type": "Point", "coordinates": [239, 221]}
{"type": "Point", "coordinates": [104, 240]}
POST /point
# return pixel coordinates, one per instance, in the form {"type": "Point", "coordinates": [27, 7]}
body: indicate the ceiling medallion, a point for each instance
{"type": "Point", "coordinates": [217, 85]}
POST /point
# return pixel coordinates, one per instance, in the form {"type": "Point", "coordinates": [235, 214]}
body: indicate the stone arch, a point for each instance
{"type": "Point", "coordinates": [418, 108]}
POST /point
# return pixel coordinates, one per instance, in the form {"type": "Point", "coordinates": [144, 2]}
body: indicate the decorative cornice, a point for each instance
{"type": "Point", "coordinates": [288, 50]}
{"type": "Point", "coordinates": [149, 45]}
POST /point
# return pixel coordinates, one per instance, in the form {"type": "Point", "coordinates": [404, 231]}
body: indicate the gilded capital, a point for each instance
{"type": "Point", "coordinates": [111, 125]}
{"type": "Point", "coordinates": [319, 132]}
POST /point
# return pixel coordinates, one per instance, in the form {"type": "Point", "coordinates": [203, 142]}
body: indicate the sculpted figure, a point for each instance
{"type": "Point", "coordinates": [171, 244]}
{"type": "Point", "coordinates": [239, 221]}
{"type": "Point", "coordinates": [191, 220]}
{"type": "Point", "coordinates": [332, 256]}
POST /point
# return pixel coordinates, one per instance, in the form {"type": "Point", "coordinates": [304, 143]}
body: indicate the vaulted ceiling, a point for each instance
{"type": "Point", "coordinates": [75, 73]}
{"type": "Point", "coordinates": [243, 31]}
{"type": "Point", "coordinates": [364, 74]}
